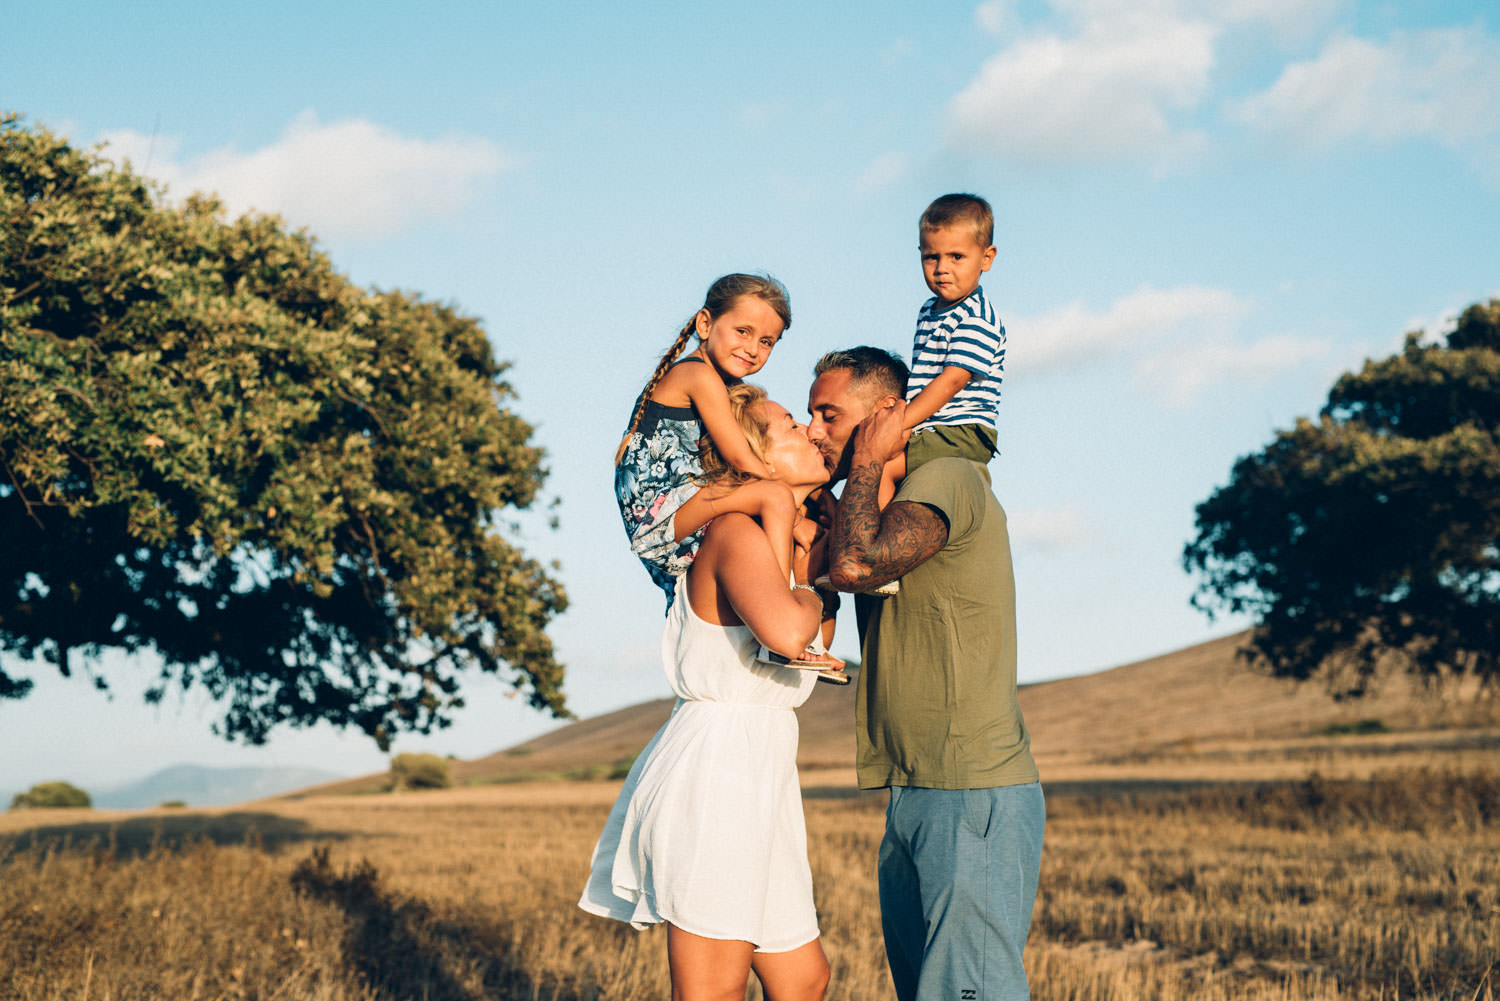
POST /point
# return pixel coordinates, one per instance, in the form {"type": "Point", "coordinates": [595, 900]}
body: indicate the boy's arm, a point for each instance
{"type": "Point", "coordinates": [936, 394]}
{"type": "Point", "coordinates": [706, 392]}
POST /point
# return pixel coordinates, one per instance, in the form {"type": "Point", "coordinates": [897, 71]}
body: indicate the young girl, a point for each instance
{"type": "Point", "coordinates": [658, 475]}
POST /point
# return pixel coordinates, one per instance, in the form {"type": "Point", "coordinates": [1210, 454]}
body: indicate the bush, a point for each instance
{"type": "Point", "coordinates": [50, 795]}
{"type": "Point", "coordinates": [420, 771]}
{"type": "Point", "coordinates": [1357, 728]}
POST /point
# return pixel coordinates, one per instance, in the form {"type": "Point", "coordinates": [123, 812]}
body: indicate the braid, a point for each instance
{"type": "Point", "coordinates": [721, 296]}
{"type": "Point", "coordinates": [661, 370]}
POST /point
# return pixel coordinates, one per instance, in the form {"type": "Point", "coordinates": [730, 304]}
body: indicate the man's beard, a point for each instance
{"type": "Point", "coordinates": [840, 470]}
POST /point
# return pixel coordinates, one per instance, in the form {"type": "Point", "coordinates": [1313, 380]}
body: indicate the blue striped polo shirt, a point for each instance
{"type": "Point", "coordinates": [970, 336]}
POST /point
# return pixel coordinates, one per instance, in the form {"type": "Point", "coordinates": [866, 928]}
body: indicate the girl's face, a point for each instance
{"type": "Point", "coordinates": [795, 460]}
{"type": "Point", "coordinates": [739, 340]}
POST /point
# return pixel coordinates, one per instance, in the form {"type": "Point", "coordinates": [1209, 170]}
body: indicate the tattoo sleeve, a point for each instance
{"type": "Point", "coordinates": [867, 546]}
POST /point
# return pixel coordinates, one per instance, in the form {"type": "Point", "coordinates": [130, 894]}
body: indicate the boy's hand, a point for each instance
{"type": "Point", "coordinates": [882, 434]}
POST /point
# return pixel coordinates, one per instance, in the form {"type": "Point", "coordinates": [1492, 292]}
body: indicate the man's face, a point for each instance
{"type": "Point", "coordinates": [836, 410]}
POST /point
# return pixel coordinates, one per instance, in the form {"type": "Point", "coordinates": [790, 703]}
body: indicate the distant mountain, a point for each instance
{"type": "Point", "coordinates": [196, 785]}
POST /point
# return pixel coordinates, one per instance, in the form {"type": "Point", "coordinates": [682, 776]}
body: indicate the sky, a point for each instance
{"type": "Point", "coordinates": [1206, 210]}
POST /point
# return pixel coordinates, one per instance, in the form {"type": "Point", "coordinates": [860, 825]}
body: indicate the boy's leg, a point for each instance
{"type": "Point", "coordinates": [976, 854]}
{"type": "Point", "coordinates": [975, 442]}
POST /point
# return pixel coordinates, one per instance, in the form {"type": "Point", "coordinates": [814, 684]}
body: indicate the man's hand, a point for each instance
{"type": "Point", "coordinates": [867, 546]}
{"type": "Point", "coordinates": [881, 435]}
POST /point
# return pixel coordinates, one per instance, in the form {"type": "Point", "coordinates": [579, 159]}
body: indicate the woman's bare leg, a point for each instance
{"type": "Point", "coordinates": [799, 975]}
{"type": "Point", "coordinates": [707, 969]}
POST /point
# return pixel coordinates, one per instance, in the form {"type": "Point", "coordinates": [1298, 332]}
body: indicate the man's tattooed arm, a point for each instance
{"type": "Point", "coordinates": [867, 546]}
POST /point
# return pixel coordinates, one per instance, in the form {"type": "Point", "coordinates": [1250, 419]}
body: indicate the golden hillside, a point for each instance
{"type": "Point", "coordinates": [1195, 713]}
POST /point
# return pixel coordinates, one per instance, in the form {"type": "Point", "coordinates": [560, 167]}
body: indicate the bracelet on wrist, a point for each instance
{"type": "Point", "coordinates": [805, 587]}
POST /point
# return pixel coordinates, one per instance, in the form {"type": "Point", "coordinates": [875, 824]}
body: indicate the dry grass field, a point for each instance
{"type": "Point", "coordinates": [1203, 841]}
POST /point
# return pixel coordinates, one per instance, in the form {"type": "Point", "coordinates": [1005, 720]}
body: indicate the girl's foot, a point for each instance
{"type": "Point", "coordinates": [814, 658]}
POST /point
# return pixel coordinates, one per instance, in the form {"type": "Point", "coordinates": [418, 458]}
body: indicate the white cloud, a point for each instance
{"type": "Point", "coordinates": [1179, 376]}
{"type": "Point", "coordinates": [1108, 79]}
{"type": "Point", "coordinates": [1439, 85]}
{"type": "Point", "coordinates": [1281, 15]}
{"type": "Point", "coordinates": [1049, 529]}
{"type": "Point", "coordinates": [1108, 92]}
{"type": "Point", "coordinates": [883, 171]}
{"type": "Point", "coordinates": [350, 179]}
{"type": "Point", "coordinates": [1074, 336]}
{"type": "Point", "coordinates": [994, 16]}
{"type": "Point", "coordinates": [1175, 343]}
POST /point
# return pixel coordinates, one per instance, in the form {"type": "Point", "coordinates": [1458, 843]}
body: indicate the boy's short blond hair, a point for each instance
{"type": "Point", "coordinates": [956, 209]}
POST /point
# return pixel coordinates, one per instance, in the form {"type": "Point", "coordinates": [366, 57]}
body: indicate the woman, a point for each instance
{"type": "Point", "coordinates": [707, 835]}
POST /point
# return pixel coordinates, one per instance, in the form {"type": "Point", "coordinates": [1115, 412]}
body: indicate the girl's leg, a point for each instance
{"type": "Point", "coordinates": [768, 500]}
{"type": "Point", "coordinates": [799, 975]}
{"type": "Point", "coordinates": [707, 969]}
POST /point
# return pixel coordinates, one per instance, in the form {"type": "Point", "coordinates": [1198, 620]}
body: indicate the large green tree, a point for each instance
{"type": "Point", "coordinates": [215, 447]}
{"type": "Point", "coordinates": [1374, 531]}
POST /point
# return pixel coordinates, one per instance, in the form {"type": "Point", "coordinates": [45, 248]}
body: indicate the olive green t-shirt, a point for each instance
{"type": "Point", "coordinates": [936, 704]}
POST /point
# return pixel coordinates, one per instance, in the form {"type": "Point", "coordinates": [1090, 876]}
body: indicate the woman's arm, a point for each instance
{"type": "Point", "coordinates": [736, 579]}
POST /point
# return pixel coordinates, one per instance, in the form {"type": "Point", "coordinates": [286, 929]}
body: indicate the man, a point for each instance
{"type": "Point", "coordinates": [936, 714]}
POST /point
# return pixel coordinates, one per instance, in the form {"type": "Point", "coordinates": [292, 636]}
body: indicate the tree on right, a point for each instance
{"type": "Point", "coordinates": [1371, 534]}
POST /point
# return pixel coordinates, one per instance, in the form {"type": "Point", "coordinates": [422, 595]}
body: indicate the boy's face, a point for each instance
{"type": "Point", "coordinates": [952, 261]}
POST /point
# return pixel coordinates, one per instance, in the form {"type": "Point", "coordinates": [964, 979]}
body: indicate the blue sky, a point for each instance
{"type": "Point", "coordinates": [1205, 212]}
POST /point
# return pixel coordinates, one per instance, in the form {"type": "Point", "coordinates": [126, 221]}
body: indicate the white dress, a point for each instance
{"type": "Point", "coordinates": [708, 832]}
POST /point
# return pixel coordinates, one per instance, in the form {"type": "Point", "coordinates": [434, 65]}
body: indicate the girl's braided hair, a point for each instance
{"type": "Point", "coordinates": [721, 296]}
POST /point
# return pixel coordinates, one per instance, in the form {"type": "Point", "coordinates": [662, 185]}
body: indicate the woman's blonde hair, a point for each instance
{"type": "Point", "coordinates": [721, 297]}
{"type": "Point", "coordinates": [743, 398]}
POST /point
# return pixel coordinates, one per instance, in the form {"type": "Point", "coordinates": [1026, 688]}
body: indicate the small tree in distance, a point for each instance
{"type": "Point", "coordinates": [51, 796]}
{"type": "Point", "coordinates": [420, 771]}
{"type": "Point", "coordinates": [1372, 532]}
{"type": "Point", "coordinates": [216, 448]}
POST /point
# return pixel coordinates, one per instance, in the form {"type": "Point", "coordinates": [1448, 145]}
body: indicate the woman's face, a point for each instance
{"type": "Point", "coordinates": [796, 461]}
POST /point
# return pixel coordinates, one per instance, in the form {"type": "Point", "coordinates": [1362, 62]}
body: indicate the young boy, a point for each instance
{"type": "Point", "coordinates": [958, 352]}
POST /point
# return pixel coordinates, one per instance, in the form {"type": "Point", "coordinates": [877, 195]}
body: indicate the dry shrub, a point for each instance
{"type": "Point", "coordinates": [420, 770]}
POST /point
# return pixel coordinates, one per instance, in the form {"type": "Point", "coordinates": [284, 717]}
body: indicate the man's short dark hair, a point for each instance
{"type": "Point", "coordinates": [872, 370]}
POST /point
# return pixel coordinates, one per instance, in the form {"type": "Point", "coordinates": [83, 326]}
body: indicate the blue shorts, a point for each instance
{"type": "Point", "coordinates": [958, 874]}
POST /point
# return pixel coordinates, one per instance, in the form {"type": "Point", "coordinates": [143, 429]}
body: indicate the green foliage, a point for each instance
{"type": "Point", "coordinates": [215, 447]}
{"type": "Point", "coordinates": [420, 771]}
{"type": "Point", "coordinates": [1373, 531]}
{"type": "Point", "coordinates": [49, 796]}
